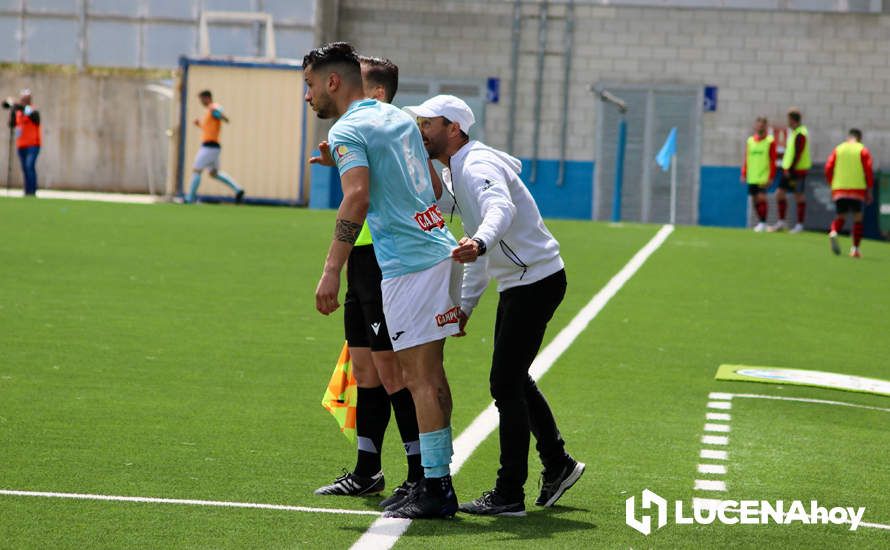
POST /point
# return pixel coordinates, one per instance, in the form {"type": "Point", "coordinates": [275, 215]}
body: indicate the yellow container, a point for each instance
{"type": "Point", "coordinates": [265, 146]}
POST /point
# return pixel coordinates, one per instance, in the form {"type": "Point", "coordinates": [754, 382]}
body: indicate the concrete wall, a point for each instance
{"type": "Point", "coordinates": [100, 131]}
{"type": "Point", "coordinates": [99, 134]}
{"type": "Point", "coordinates": [834, 66]}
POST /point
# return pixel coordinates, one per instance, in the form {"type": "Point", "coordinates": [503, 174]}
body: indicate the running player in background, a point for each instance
{"type": "Point", "coordinates": [759, 169]}
{"type": "Point", "coordinates": [374, 363]}
{"type": "Point", "coordinates": [208, 154]}
{"type": "Point", "coordinates": [385, 177]}
{"type": "Point", "coordinates": [849, 173]}
{"type": "Point", "coordinates": [796, 162]}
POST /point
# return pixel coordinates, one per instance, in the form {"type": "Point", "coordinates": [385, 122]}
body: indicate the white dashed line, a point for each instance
{"type": "Point", "coordinates": [709, 485]}
{"type": "Point", "coordinates": [714, 454]}
{"type": "Point", "coordinates": [711, 469]}
{"type": "Point", "coordinates": [715, 440]}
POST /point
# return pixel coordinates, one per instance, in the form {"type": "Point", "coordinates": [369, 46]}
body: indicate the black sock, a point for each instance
{"type": "Point", "coordinates": [406, 418]}
{"type": "Point", "coordinates": [371, 417]}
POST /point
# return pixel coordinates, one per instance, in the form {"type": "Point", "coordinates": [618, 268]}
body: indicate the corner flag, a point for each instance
{"type": "Point", "coordinates": [341, 394]}
{"type": "Point", "coordinates": [668, 150]}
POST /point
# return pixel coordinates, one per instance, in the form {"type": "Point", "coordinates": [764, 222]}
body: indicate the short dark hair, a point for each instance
{"type": "Point", "coordinates": [762, 119]}
{"type": "Point", "coordinates": [205, 93]}
{"type": "Point", "coordinates": [340, 55]}
{"type": "Point", "coordinates": [794, 114]}
{"type": "Point", "coordinates": [856, 133]}
{"type": "Point", "coordinates": [382, 72]}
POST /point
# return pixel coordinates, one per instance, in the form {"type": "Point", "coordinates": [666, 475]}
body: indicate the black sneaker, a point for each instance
{"type": "Point", "coordinates": [400, 493]}
{"type": "Point", "coordinates": [491, 503]}
{"type": "Point", "coordinates": [431, 499]}
{"type": "Point", "coordinates": [558, 482]}
{"type": "Point", "coordinates": [239, 196]}
{"type": "Point", "coordinates": [352, 485]}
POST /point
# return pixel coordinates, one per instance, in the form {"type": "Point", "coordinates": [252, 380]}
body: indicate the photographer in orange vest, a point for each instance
{"type": "Point", "coordinates": [26, 121]}
{"type": "Point", "coordinates": [849, 173]}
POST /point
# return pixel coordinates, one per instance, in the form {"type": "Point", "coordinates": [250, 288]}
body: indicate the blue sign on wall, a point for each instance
{"type": "Point", "coordinates": [710, 103]}
{"type": "Point", "coordinates": [493, 90]}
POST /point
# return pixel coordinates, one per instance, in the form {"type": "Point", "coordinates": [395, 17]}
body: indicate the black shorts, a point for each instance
{"type": "Point", "coordinates": [848, 205]}
{"type": "Point", "coordinates": [755, 189]}
{"type": "Point", "coordinates": [363, 318]}
{"type": "Point", "coordinates": [794, 183]}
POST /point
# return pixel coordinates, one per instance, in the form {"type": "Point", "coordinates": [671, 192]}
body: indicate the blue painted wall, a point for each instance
{"type": "Point", "coordinates": [723, 200]}
{"type": "Point", "coordinates": [574, 199]}
{"type": "Point", "coordinates": [326, 191]}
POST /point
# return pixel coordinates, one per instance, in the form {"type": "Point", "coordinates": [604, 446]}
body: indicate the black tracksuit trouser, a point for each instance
{"type": "Point", "coordinates": [522, 317]}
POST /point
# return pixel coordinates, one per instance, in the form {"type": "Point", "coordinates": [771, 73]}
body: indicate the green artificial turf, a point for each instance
{"type": "Point", "coordinates": [170, 351]}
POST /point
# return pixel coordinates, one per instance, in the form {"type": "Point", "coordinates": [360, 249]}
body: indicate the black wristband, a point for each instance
{"type": "Point", "coordinates": [482, 247]}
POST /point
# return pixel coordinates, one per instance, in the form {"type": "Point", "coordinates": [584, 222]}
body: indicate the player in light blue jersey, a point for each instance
{"type": "Point", "coordinates": [404, 218]}
{"type": "Point", "coordinates": [385, 177]}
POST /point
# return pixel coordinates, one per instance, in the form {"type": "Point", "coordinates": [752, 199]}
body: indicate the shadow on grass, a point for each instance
{"type": "Point", "coordinates": [538, 524]}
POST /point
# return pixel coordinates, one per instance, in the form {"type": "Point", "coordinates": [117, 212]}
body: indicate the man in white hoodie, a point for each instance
{"type": "Point", "coordinates": [508, 241]}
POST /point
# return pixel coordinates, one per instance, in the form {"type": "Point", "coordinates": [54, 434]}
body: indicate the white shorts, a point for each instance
{"type": "Point", "coordinates": [423, 307]}
{"type": "Point", "coordinates": [207, 157]}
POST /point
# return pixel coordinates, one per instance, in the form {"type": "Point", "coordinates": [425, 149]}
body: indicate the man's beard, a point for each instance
{"type": "Point", "coordinates": [434, 149]}
{"type": "Point", "coordinates": [325, 108]}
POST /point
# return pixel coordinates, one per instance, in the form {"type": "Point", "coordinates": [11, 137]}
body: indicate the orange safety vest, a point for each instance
{"type": "Point", "coordinates": [27, 132]}
{"type": "Point", "coordinates": [211, 126]}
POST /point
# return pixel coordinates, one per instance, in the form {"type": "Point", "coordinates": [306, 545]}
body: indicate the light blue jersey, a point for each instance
{"type": "Point", "coordinates": [409, 231]}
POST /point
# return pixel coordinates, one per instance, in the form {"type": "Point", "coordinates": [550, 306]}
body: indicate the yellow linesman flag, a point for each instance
{"type": "Point", "coordinates": [341, 395]}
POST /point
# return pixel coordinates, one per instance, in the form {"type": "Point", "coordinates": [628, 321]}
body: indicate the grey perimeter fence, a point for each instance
{"type": "Point", "coordinates": [143, 33]}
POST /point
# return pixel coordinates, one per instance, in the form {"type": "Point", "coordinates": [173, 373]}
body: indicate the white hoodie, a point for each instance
{"type": "Point", "coordinates": [482, 184]}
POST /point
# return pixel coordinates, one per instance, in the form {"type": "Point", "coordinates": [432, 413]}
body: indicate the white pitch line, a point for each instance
{"type": "Point", "coordinates": [133, 198]}
{"type": "Point", "coordinates": [874, 525]}
{"type": "Point", "coordinates": [385, 532]}
{"type": "Point", "coordinates": [714, 485]}
{"type": "Point", "coordinates": [189, 502]}
{"type": "Point", "coordinates": [809, 400]}
{"type": "Point", "coordinates": [719, 395]}
{"type": "Point", "coordinates": [722, 428]}
{"type": "Point", "coordinates": [709, 485]}
{"type": "Point", "coordinates": [714, 454]}
{"type": "Point", "coordinates": [715, 440]}
{"type": "Point", "coordinates": [710, 503]}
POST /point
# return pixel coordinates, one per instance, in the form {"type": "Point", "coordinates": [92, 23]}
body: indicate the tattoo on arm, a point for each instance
{"type": "Point", "coordinates": [347, 231]}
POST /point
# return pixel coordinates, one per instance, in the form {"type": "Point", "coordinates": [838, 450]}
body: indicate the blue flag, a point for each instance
{"type": "Point", "coordinates": [669, 149]}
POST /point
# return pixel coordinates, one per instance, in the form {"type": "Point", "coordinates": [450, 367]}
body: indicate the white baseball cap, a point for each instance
{"type": "Point", "coordinates": [451, 107]}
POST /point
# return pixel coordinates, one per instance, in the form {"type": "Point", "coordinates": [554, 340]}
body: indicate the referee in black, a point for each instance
{"type": "Point", "coordinates": [507, 241]}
